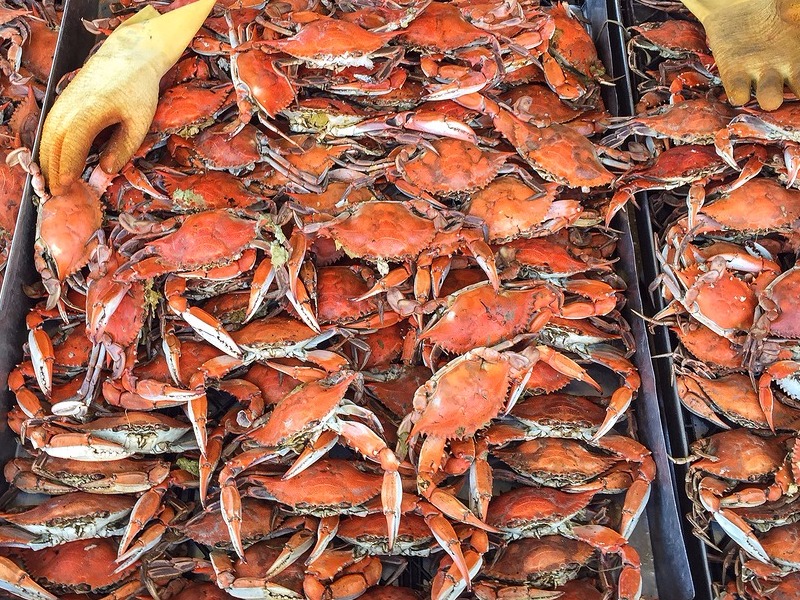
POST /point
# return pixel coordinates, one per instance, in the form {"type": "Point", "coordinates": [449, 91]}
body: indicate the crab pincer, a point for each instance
{"type": "Point", "coordinates": [309, 420]}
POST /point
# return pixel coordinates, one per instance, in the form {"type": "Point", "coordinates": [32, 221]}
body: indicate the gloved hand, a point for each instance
{"type": "Point", "coordinates": [754, 42]}
{"type": "Point", "coordinates": [116, 86]}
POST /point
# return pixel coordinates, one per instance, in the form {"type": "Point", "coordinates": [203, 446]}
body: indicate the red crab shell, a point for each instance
{"type": "Point", "coordinates": [268, 87]}
{"type": "Point", "coordinates": [336, 288]}
{"type": "Point", "coordinates": [761, 204]}
{"type": "Point", "coordinates": [739, 455]}
{"type": "Point", "coordinates": [209, 238]}
{"type": "Point", "coordinates": [208, 191]}
{"type": "Point", "coordinates": [555, 409]}
{"type": "Point", "coordinates": [783, 544]}
{"type": "Point", "coordinates": [708, 346]}
{"type": "Point", "coordinates": [539, 105]}
{"type": "Point", "coordinates": [331, 483]}
{"type": "Point", "coordinates": [329, 200]}
{"type": "Point", "coordinates": [512, 209]}
{"type": "Point", "coordinates": [215, 149]}
{"type": "Point", "coordinates": [479, 316]}
{"type": "Point", "coordinates": [12, 180]}
{"type": "Point", "coordinates": [545, 379]}
{"type": "Point", "coordinates": [556, 461]}
{"type": "Point", "coordinates": [413, 530]}
{"type": "Point", "coordinates": [456, 166]}
{"type": "Point", "coordinates": [729, 301]}
{"type": "Point", "coordinates": [209, 528]}
{"type": "Point", "coordinates": [440, 28]}
{"type": "Point", "coordinates": [465, 396]}
{"type": "Point", "coordinates": [188, 104]}
{"type": "Point", "coordinates": [784, 294]}
{"type": "Point", "coordinates": [304, 406]}
{"type": "Point", "coordinates": [274, 331]}
{"type": "Point", "coordinates": [531, 504]}
{"type": "Point", "coordinates": [383, 230]}
{"type": "Point", "coordinates": [65, 567]}
{"type": "Point", "coordinates": [691, 121]}
{"type": "Point", "coordinates": [675, 36]}
{"type": "Point", "coordinates": [396, 392]}
{"type": "Point", "coordinates": [73, 351]}
{"type": "Point", "coordinates": [458, 279]}
{"type": "Point", "coordinates": [532, 559]}
{"type": "Point", "coordinates": [67, 225]}
{"type": "Point", "coordinates": [325, 37]}
{"type": "Point", "coordinates": [572, 44]}
{"type": "Point", "coordinates": [201, 590]}
{"type": "Point", "coordinates": [273, 384]}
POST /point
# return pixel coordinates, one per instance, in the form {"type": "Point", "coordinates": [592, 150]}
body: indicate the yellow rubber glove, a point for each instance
{"type": "Point", "coordinates": [116, 86]}
{"type": "Point", "coordinates": [755, 43]}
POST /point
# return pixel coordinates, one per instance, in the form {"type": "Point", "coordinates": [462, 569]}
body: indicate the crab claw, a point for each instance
{"type": "Point", "coordinates": [783, 371]}
{"type": "Point", "coordinates": [120, 84]}
{"type": "Point", "coordinates": [730, 522]}
{"type": "Point", "coordinates": [566, 366]}
{"type": "Point", "coordinates": [19, 583]}
{"type": "Point", "coordinates": [362, 439]}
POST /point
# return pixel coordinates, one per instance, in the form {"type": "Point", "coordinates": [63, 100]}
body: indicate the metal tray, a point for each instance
{"type": "Point", "coordinates": [681, 426]}
{"type": "Point", "coordinates": [74, 43]}
{"type": "Point", "coordinates": [665, 563]}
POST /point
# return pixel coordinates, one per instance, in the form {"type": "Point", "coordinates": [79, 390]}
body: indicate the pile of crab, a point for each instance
{"type": "Point", "coordinates": [352, 306]}
{"type": "Point", "coordinates": [728, 210]}
{"type": "Point", "coordinates": [27, 44]}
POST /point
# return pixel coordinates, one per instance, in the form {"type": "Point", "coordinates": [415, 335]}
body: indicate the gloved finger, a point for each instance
{"type": "Point", "coordinates": [769, 89]}
{"type": "Point", "coordinates": [737, 86]}
{"type": "Point", "coordinates": [125, 140]}
{"type": "Point", "coordinates": [789, 10]}
{"type": "Point", "coordinates": [64, 158]}
{"type": "Point", "coordinates": [793, 80]}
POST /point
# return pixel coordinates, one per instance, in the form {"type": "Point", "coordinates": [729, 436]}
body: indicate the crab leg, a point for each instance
{"type": "Point", "coordinates": [430, 462]}
{"type": "Point", "coordinates": [26, 399]}
{"type": "Point", "coordinates": [297, 294]}
{"type": "Point", "coordinates": [639, 491]}
{"type": "Point", "coordinates": [730, 522]}
{"type": "Point", "coordinates": [609, 541]}
{"type": "Point", "coordinates": [147, 507]}
{"type": "Point", "coordinates": [565, 365]}
{"type": "Point", "coordinates": [448, 585]}
{"type": "Point", "coordinates": [350, 576]}
{"type": "Point", "coordinates": [612, 358]}
{"type": "Point", "coordinates": [480, 480]}
{"type": "Point", "coordinates": [197, 411]}
{"type": "Point", "coordinates": [79, 446]}
{"type": "Point", "coordinates": [602, 299]}
{"type": "Point", "coordinates": [312, 453]}
{"type": "Point", "coordinates": [42, 354]}
{"type": "Point", "coordinates": [293, 549]}
{"type": "Point", "coordinates": [782, 370]}
{"type": "Point", "coordinates": [263, 277]}
{"type": "Point", "coordinates": [446, 537]}
{"type": "Point", "coordinates": [365, 441]}
{"type": "Point", "coordinates": [125, 591]}
{"type": "Point", "coordinates": [147, 541]}
{"type": "Point", "coordinates": [18, 582]}
{"type": "Point", "coordinates": [326, 531]}
{"type": "Point", "coordinates": [207, 326]}
{"type": "Point", "coordinates": [391, 280]}
{"type": "Point", "coordinates": [246, 587]}
{"type": "Point", "coordinates": [230, 499]}
{"type": "Point", "coordinates": [209, 461]}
